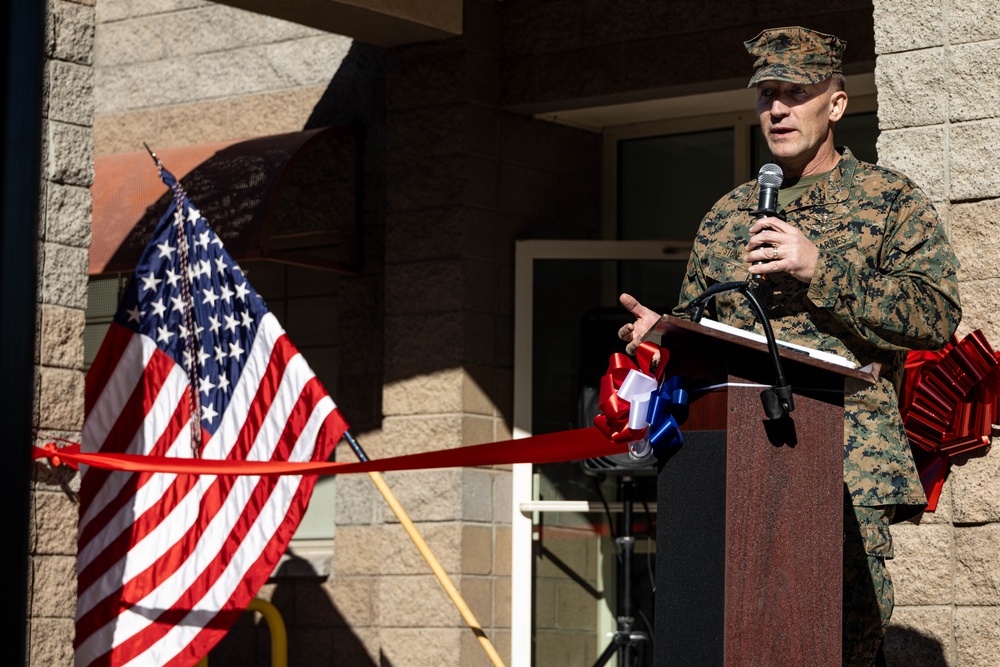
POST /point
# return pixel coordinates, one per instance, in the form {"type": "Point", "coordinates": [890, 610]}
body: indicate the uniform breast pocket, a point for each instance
{"type": "Point", "coordinates": [724, 265]}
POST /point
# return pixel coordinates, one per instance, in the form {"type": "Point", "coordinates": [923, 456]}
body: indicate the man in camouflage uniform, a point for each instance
{"type": "Point", "coordinates": [861, 268]}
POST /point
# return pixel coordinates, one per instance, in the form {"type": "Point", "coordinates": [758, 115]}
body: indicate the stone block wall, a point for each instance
{"type": "Point", "coordinates": [64, 237]}
{"type": "Point", "coordinates": [447, 326]}
{"type": "Point", "coordinates": [179, 72]}
{"type": "Point", "coordinates": [423, 337]}
{"type": "Point", "coordinates": [938, 98]}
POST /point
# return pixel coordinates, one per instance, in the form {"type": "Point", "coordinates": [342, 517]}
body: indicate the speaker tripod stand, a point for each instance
{"type": "Point", "coordinates": [626, 639]}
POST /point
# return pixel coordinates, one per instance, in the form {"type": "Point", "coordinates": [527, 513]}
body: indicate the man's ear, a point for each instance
{"type": "Point", "coordinates": [838, 105]}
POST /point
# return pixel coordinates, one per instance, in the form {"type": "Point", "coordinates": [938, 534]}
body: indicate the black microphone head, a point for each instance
{"type": "Point", "coordinates": [770, 176]}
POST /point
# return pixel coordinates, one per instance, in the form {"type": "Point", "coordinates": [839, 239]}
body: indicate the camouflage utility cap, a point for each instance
{"type": "Point", "coordinates": [795, 54]}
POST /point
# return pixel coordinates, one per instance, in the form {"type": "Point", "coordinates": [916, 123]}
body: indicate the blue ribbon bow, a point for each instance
{"type": "Point", "coordinates": [668, 401]}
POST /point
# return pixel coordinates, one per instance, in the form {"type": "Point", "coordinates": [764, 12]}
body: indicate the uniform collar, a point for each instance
{"type": "Point", "coordinates": [835, 188]}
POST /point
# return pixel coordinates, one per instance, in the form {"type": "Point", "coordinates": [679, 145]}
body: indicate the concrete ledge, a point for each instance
{"type": "Point", "coordinates": [383, 22]}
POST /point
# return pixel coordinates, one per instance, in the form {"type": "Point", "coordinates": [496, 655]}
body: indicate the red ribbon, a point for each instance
{"type": "Point", "coordinates": [613, 420]}
{"type": "Point", "coordinates": [583, 443]}
{"type": "Point", "coordinates": [948, 401]}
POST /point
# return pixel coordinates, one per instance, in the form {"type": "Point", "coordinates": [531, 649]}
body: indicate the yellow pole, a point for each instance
{"type": "Point", "coordinates": [436, 567]}
{"type": "Point", "coordinates": [276, 627]}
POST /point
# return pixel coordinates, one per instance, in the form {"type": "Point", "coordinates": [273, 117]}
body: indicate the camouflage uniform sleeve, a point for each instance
{"type": "Point", "coordinates": [907, 298]}
{"type": "Point", "coordinates": [695, 281]}
{"type": "Point", "coordinates": [694, 284]}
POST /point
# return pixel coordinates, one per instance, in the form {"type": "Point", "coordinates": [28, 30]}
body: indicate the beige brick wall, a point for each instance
{"type": "Point", "coordinates": [939, 112]}
{"type": "Point", "coordinates": [64, 236]}
{"type": "Point", "coordinates": [179, 72]}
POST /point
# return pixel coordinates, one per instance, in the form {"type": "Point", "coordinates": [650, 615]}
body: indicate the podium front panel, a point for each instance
{"type": "Point", "coordinates": [784, 533]}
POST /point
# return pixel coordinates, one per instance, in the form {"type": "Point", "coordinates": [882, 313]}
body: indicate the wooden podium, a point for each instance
{"type": "Point", "coordinates": [749, 533]}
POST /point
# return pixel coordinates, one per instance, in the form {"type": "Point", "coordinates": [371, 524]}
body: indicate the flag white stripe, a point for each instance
{"type": "Point", "coordinates": [230, 579]}
{"type": "Point", "coordinates": [143, 554]}
{"type": "Point", "coordinates": [147, 497]}
{"type": "Point", "coordinates": [138, 558]}
{"type": "Point", "coordinates": [218, 529]}
{"type": "Point", "coordinates": [245, 389]}
{"type": "Point", "coordinates": [156, 422]}
{"type": "Point", "coordinates": [189, 546]}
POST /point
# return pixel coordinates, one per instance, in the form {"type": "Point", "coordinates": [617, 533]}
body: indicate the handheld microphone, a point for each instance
{"type": "Point", "coordinates": [769, 178]}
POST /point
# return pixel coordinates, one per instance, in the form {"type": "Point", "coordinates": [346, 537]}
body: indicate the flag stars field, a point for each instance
{"type": "Point", "coordinates": [224, 317]}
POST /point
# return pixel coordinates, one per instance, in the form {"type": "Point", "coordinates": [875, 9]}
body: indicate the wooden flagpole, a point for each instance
{"type": "Point", "coordinates": [425, 551]}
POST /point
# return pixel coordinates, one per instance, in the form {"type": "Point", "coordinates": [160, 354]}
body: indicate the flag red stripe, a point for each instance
{"type": "Point", "coordinates": [176, 426]}
{"type": "Point", "coordinates": [108, 404]}
{"type": "Point", "coordinates": [261, 352]}
{"type": "Point", "coordinates": [98, 534]}
{"type": "Point", "coordinates": [109, 564]}
{"type": "Point", "coordinates": [167, 562]}
{"type": "Point", "coordinates": [150, 520]}
{"type": "Point", "coordinates": [203, 641]}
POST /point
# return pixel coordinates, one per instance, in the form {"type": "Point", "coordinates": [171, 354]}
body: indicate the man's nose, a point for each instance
{"type": "Point", "coordinates": [779, 108]}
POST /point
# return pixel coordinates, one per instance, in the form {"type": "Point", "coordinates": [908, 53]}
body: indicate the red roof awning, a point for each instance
{"type": "Point", "coordinates": [293, 198]}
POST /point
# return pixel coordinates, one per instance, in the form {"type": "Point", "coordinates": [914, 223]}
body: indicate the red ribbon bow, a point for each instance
{"type": "Point", "coordinates": [613, 420]}
{"type": "Point", "coordinates": [948, 401]}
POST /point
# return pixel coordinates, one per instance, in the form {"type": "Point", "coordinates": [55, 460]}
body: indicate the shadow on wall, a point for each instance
{"type": "Point", "coordinates": [905, 647]}
{"type": "Point", "coordinates": [356, 96]}
{"type": "Point", "coordinates": [356, 93]}
{"type": "Point", "coordinates": [318, 634]}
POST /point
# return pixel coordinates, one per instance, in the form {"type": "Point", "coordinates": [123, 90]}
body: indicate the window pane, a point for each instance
{"type": "Point", "coordinates": [667, 183]}
{"type": "Point", "coordinates": [860, 133]}
{"type": "Point", "coordinates": [103, 293]}
{"type": "Point", "coordinates": [656, 284]}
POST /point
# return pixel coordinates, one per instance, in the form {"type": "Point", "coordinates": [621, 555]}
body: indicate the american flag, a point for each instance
{"type": "Point", "coordinates": [166, 563]}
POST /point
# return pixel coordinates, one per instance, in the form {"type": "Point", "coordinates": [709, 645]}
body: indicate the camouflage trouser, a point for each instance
{"type": "Point", "coordinates": [867, 588]}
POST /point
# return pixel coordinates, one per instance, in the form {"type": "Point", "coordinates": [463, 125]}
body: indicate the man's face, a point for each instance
{"type": "Point", "coordinates": [797, 119]}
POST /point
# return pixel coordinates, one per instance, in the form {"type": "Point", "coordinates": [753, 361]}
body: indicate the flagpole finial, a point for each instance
{"type": "Point", "coordinates": [159, 165]}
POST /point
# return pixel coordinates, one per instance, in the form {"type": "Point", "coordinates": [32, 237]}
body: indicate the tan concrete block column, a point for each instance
{"type": "Point", "coordinates": [447, 377]}
{"type": "Point", "coordinates": [64, 236]}
{"type": "Point", "coordinates": [939, 115]}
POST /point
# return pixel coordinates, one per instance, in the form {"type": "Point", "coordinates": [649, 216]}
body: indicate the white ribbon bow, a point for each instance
{"type": "Point", "coordinates": [637, 388]}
